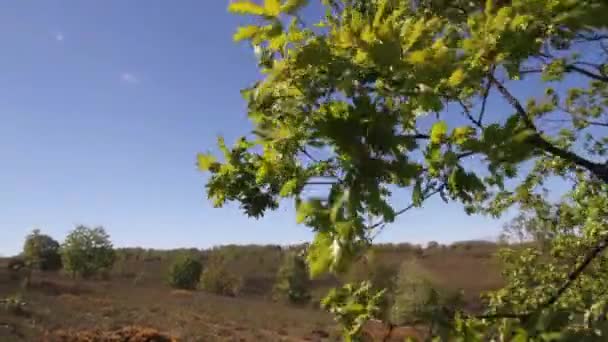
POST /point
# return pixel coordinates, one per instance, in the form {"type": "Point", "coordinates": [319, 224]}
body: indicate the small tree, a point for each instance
{"type": "Point", "coordinates": [293, 281]}
{"type": "Point", "coordinates": [185, 272]}
{"type": "Point", "coordinates": [42, 251]}
{"type": "Point", "coordinates": [87, 251]}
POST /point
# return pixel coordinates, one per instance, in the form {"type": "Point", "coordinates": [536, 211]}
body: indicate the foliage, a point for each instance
{"type": "Point", "coordinates": [293, 283]}
{"type": "Point", "coordinates": [185, 272]}
{"type": "Point", "coordinates": [42, 251]}
{"type": "Point", "coordinates": [87, 251]}
{"type": "Point", "coordinates": [216, 278]}
{"type": "Point", "coordinates": [382, 95]}
{"type": "Point", "coordinates": [353, 305]}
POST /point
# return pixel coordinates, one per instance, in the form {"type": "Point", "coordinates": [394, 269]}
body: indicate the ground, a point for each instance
{"type": "Point", "coordinates": [134, 302]}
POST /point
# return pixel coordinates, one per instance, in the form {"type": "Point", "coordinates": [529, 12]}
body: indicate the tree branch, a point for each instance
{"type": "Point", "coordinates": [486, 94]}
{"type": "Point", "coordinates": [600, 170]}
{"type": "Point", "coordinates": [586, 72]}
{"type": "Point", "coordinates": [570, 279]}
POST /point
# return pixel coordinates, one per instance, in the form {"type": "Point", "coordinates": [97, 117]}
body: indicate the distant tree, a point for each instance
{"type": "Point", "coordinates": [432, 245]}
{"type": "Point", "coordinates": [42, 251]}
{"type": "Point", "coordinates": [293, 281]}
{"type": "Point", "coordinates": [87, 251]}
{"type": "Point", "coordinates": [185, 272]}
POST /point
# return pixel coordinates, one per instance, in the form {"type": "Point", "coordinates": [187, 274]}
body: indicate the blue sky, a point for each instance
{"type": "Point", "coordinates": [103, 107]}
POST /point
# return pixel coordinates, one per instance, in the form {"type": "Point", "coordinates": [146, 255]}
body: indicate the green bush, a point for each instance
{"type": "Point", "coordinates": [87, 251]}
{"type": "Point", "coordinates": [293, 282]}
{"type": "Point", "coordinates": [417, 299]}
{"type": "Point", "coordinates": [185, 272]}
{"type": "Point", "coordinates": [42, 251]}
{"type": "Point", "coordinates": [216, 278]}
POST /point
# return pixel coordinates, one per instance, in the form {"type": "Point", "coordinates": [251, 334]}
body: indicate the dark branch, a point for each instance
{"type": "Point", "coordinates": [586, 72]}
{"type": "Point", "coordinates": [486, 94]}
{"type": "Point", "coordinates": [600, 170]}
{"type": "Point", "coordinates": [467, 113]}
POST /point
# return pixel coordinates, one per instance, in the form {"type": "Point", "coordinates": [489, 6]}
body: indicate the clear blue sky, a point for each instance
{"type": "Point", "coordinates": [103, 107]}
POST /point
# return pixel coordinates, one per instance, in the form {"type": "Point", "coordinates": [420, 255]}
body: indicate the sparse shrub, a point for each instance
{"type": "Point", "coordinates": [14, 305]}
{"type": "Point", "coordinates": [87, 251]}
{"type": "Point", "coordinates": [42, 251]}
{"type": "Point", "coordinates": [185, 272]}
{"type": "Point", "coordinates": [216, 278]}
{"type": "Point", "coordinates": [293, 282]}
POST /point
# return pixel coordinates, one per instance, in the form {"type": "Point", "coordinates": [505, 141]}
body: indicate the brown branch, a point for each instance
{"type": "Point", "coordinates": [600, 170]}
{"type": "Point", "coordinates": [486, 94]}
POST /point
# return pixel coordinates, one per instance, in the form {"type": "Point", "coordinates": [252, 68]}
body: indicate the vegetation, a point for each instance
{"type": "Point", "coordinates": [383, 95]}
{"type": "Point", "coordinates": [293, 284]}
{"type": "Point", "coordinates": [185, 272]}
{"type": "Point", "coordinates": [217, 278]}
{"type": "Point", "coordinates": [42, 251]}
{"type": "Point", "coordinates": [87, 251]}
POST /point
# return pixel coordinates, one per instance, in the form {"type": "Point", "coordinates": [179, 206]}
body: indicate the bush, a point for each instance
{"type": "Point", "coordinates": [87, 251]}
{"type": "Point", "coordinates": [293, 282]}
{"type": "Point", "coordinates": [417, 300]}
{"type": "Point", "coordinates": [217, 279]}
{"type": "Point", "coordinates": [42, 251]}
{"type": "Point", "coordinates": [185, 272]}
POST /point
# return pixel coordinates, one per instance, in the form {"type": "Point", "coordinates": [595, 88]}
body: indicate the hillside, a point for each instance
{"type": "Point", "coordinates": [135, 293]}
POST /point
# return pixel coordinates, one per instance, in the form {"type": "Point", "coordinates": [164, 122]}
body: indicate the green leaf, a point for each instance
{"type": "Point", "coordinates": [246, 32]}
{"type": "Point", "coordinates": [246, 8]}
{"type": "Point", "coordinates": [206, 161]}
{"type": "Point", "coordinates": [438, 132]}
{"type": "Point", "coordinates": [461, 134]}
{"type": "Point", "coordinates": [319, 254]}
{"type": "Point", "coordinates": [272, 7]}
{"type": "Point", "coordinates": [306, 209]}
{"type": "Point", "coordinates": [457, 77]}
{"type": "Point", "coordinates": [292, 6]}
{"type": "Point", "coordinates": [289, 187]}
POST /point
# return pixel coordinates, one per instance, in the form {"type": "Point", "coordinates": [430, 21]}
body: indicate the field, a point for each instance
{"type": "Point", "coordinates": [135, 298]}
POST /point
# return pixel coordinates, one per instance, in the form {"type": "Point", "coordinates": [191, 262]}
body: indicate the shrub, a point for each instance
{"type": "Point", "coordinates": [217, 279]}
{"type": "Point", "coordinates": [416, 299]}
{"type": "Point", "coordinates": [185, 272]}
{"type": "Point", "coordinates": [42, 251]}
{"type": "Point", "coordinates": [87, 251]}
{"type": "Point", "coordinates": [293, 282]}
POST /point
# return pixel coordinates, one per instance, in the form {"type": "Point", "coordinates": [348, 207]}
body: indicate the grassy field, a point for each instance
{"type": "Point", "coordinates": [135, 294]}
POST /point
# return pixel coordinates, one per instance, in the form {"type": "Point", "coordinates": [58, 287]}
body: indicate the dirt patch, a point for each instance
{"type": "Point", "coordinates": [126, 334]}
